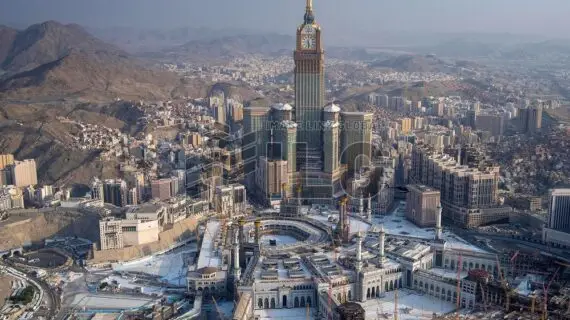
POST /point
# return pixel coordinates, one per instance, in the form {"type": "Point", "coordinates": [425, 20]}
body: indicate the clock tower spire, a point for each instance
{"type": "Point", "coordinates": [309, 84]}
{"type": "Point", "coordinates": [309, 17]}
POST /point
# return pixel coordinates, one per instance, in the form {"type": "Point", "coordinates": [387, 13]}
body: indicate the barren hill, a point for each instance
{"type": "Point", "coordinates": [413, 63]}
{"type": "Point", "coordinates": [53, 61]}
{"type": "Point", "coordinates": [227, 47]}
{"type": "Point", "coordinates": [49, 41]}
{"type": "Point", "coordinates": [7, 37]}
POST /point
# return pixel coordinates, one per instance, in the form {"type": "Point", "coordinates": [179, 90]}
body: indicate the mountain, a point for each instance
{"type": "Point", "coordinates": [54, 61]}
{"type": "Point", "coordinates": [7, 37]}
{"type": "Point", "coordinates": [413, 63]}
{"type": "Point", "coordinates": [45, 42]}
{"type": "Point", "coordinates": [149, 40]}
{"type": "Point", "coordinates": [227, 47]}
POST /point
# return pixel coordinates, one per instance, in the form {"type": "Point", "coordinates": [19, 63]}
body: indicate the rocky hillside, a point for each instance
{"type": "Point", "coordinates": [226, 47]}
{"type": "Point", "coordinates": [53, 61]}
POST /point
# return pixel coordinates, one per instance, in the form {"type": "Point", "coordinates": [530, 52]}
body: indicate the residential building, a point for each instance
{"type": "Point", "coordinates": [422, 205]}
{"type": "Point", "coordinates": [557, 229]}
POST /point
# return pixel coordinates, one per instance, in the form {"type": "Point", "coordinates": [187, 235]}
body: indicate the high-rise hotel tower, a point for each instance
{"type": "Point", "coordinates": [309, 80]}
{"type": "Point", "coordinates": [319, 142]}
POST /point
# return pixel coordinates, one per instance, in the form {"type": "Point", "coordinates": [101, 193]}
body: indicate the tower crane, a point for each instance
{"type": "Point", "coordinates": [504, 285]}
{"type": "Point", "coordinates": [545, 306]}
{"type": "Point", "coordinates": [458, 288]}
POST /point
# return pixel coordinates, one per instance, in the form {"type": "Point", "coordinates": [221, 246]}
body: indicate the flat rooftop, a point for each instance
{"type": "Point", "coordinates": [411, 306]}
{"type": "Point", "coordinates": [208, 252]}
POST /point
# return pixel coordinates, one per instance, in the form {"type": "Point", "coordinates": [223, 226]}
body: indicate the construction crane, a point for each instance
{"type": "Point", "coordinates": [483, 297]}
{"type": "Point", "coordinates": [513, 260]}
{"type": "Point", "coordinates": [504, 285]}
{"type": "Point", "coordinates": [458, 288]}
{"type": "Point", "coordinates": [545, 306]}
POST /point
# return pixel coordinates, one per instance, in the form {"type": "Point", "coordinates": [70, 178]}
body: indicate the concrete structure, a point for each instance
{"type": "Point", "coordinates": [24, 173]}
{"type": "Point", "coordinates": [115, 192]}
{"type": "Point", "coordinates": [530, 119]}
{"type": "Point", "coordinates": [356, 140]}
{"type": "Point", "coordinates": [161, 189]}
{"type": "Point", "coordinates": [469, 196]}
{"type": "Point", "coordinates": [270, 178]}
{"type": "Point", "coordinates": [422, 205]}
{"type": "Point", "coordinates": [557, 229]}
{"type": "Point", "coordinates": [493, 123]}
{"type": "Point", "coordinates": [230, 200]}
{"type": "Point", "coordinates": [6, 160]}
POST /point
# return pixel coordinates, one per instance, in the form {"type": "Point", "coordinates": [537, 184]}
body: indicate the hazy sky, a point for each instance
{"type": "Point", "coordinates": [347, 17]}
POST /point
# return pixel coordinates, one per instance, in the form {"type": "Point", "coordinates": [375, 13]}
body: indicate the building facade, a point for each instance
{"type": "Point", "coordinates": [557, 229]}
{"type": "Point", "coordinates": [422, 205]}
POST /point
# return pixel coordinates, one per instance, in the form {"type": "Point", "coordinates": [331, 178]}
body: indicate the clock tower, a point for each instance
{"type": "Point", "coordinates": [309, 83]}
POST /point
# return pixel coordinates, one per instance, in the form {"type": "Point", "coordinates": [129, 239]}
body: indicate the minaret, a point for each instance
{"type": "Point", "coordinates": [257, 225]}
{"type": "Point", "coordinates": [358, 251]}
{"type": "Point", "coordinates": [236, 270]}
{"type": "Point", "coordinates": [241, 223]}
{"type": "Point", "coordinates": [438, 223]}
{"type": "Point", "coordinates": [361, 205]}
{"type": "Point", "coordinates": [381, 245]}
{"type": "Point", "coordinates": [369, 209]}
{"type": "Point", "coordinates": [358, 268]}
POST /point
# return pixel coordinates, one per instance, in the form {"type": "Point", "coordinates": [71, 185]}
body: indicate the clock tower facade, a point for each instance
{"type": "Point", "coordinates": [309, 83]}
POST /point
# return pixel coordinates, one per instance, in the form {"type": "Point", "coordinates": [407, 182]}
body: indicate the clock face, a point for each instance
{"type": "Point", "coordinates": [308, 42]}
{"type": "Point", "coordinates": [308, 29]}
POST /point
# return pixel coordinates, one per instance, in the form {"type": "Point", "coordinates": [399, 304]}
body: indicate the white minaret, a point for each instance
{"type": "Point", "coordinates": [381, 244]}
{"type": "Point", "coordinates": [369, 209]}
{"type": "Point", "coordinates": [358, 252]}
{"type": "Point", "coordinates": [438, 223]}
{"type": "Point", "coordinates": [236, 270]}
{"type": "Point", "coordinates": [361, 205]}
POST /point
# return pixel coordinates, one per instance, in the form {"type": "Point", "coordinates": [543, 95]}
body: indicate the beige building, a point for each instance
{"type": "Point", "coordinates": [356, 139]}
{"type": "Point", "coordinates": [422, 205]}
{"type": "Point", "coordinates": [469, 196]}
{"type": "Point", "coordinates": [117, 233]}
{"type": "Point", "coordinates": [405, 125]}
{"type": "Point", "coordinates": [6, 160]}
{"type": "Point", "coordinates": [161, 189]}
{"type": "Point", "coordinates": [24, 173]}
{"type": "Point", "coordinates": [271, 176]}
{"type": "Point", "coordinates": [230, 200]}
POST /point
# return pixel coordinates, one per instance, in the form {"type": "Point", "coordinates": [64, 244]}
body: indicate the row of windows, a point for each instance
{"type": "Point", "coordinates": [271, 303]}
{"type": "Point", "coordinates": [374, 292]}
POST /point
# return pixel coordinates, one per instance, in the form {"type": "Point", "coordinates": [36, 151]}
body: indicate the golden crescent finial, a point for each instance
{"type": "Point", "coordinates": [309, 5]}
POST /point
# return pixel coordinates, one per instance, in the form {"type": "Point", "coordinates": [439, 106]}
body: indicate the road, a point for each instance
{"type": "Point", "coordinates": [544, 249]}
{"type": "Point", "coordinates": [52, 298]}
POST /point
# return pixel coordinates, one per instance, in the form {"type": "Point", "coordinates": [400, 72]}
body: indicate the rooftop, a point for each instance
{"type": "Point", "coordinates": [209, 256]}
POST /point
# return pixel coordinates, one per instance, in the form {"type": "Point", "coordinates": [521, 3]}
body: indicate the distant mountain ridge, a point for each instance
{"type": "Point", "coordinates": [150, 40]}
{"type": "Point", "coordinates": [227, 47]}
{"type": "Point", "coordinates": [49, 41]}
{"type": "Point", "coordinates": [413, 63]}
{"type": "Point", "coordinates": [54, 60]}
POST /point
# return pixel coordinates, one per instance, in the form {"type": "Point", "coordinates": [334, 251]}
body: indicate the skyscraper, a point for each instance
{"type": "Point", "coordinates": [312, 140]}
{"type": "Point", "coordinates": [557, 229]}
{"type": "Point", "coordinates": [530, 119]}
{"type": "Point", "coordinates": [24, 173]}
{"type": "Point", "coordinates": [309, 80]}
{"type": "Point", "coordinates": [357, 135]}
